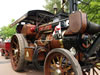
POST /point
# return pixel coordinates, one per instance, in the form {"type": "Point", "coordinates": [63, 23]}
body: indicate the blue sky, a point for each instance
{"type": "Point", "coordinates": [14, 9]}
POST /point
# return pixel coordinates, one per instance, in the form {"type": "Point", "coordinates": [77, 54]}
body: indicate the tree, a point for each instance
{"type": "Point", "coordinates": [92, 8]}
{"type": "Point", "coordinates": [6, 31]}
{"type": "Point", "coordinates": [50, 3]}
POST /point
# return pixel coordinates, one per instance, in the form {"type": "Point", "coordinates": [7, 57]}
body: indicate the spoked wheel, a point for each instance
{"type": "Point", "coordinates": [61, 62]}
{"type": "Point", "coordinates": [95, 70]}
{"type": "Point", "coordinates": [18, 43]}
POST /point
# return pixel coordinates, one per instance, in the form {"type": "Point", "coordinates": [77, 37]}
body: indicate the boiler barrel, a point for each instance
{"type": "Point", "coordinates": [92, 28]}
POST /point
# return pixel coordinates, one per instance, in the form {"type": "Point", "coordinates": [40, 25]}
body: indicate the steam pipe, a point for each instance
{"type": "Point", "coordinates": [73, 5]}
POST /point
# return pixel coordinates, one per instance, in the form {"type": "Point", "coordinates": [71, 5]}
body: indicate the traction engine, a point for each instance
{"type": "Point", "coordinates": [61, 44]}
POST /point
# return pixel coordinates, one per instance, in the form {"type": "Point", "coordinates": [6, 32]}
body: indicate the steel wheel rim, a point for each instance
{"type": "Point", "coordinates": [97, 65]}
{"type": "Point", "coordinates": [95, 70]}
{"type": "Point", "coordinates": [59, 65]}
{"type": "Point", "coordinates": [15, 52]}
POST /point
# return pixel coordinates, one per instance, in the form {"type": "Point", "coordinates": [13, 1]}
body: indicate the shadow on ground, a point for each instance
{"type": "Point", "coordinates": [32, 71]}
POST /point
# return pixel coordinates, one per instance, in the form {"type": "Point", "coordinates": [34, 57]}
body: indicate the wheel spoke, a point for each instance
{"type": "Point", "coordinates": [66, 69]}
{"type": "Point", "coordinates": [60, 62]}
{"type": "Point", "coordinates": [54, 62]}
{"type": "Point", "coordinates": [58, 58]}
{"type": "Point", "coordinates": [72, 73]}
{"type": "Point", "coordinates": [89, 73]}
{"type": "Point", "coordinates": [97, 68]}
{"type": "Point", "coordinates": [14, 60]}
{"type": "Point", "coordinates": [13, 48]}
{"type": "Point", "coordinates": [66, 63]}
{"type": "Point", "coordinates": [95, 71]}
{"type": "Point", "coordinates": [15, 44]}
{"type": "Point", "coordinates": [52, 70]}
{"type": "Point", "coordinates": [53, 66]}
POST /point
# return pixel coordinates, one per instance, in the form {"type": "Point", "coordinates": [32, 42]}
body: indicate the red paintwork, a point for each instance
{"type": "Point", "coordinates": [44, 28]}
{"type": "Point", "coordinates": [5, 48]}
{"type": "Point", "coordinates": [2, 45]}
{"type": "Point", "coordinates": [33, 28]}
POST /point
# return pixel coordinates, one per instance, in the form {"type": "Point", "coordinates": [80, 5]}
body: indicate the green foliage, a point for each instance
{"type": "Point", "coordinates": [92, 10]}
{"type": "Point", "coordinates": [50, 6]}
{"type": "Point", "coordinates": [50, 3]}
{"type": "Point", "coordinates": [7, 31]}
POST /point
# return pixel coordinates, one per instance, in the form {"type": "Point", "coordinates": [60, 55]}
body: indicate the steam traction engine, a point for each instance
{"type": "Point", "coordinates": [62, 44]}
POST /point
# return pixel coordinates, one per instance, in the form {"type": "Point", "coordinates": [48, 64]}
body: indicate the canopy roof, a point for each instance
{"type": "Point", "coordinates": [36, 17]}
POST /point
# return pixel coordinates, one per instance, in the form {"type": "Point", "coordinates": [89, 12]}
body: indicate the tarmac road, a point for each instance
{"type": "Point", "coordinates": [6, 69]}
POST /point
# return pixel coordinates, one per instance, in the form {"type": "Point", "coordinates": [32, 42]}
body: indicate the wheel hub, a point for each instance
{"type": "Point", "coordinates": [57, 72]}
{"type": "Point", "coordinates": [15, 51]}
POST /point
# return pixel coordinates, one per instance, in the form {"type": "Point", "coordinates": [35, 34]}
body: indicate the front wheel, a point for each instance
{"type": "Point", "coordinates": [61, 62]}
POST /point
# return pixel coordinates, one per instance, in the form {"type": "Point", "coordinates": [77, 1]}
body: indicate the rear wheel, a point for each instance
{"type": "Point", "coordinates": [18, 43]}
{"type": "Point", "coordinates": [95, 63]}
{"type": "Point", "coordinates": [94, 70]}
{"type": "Point", "coordinates": [61, 62]}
